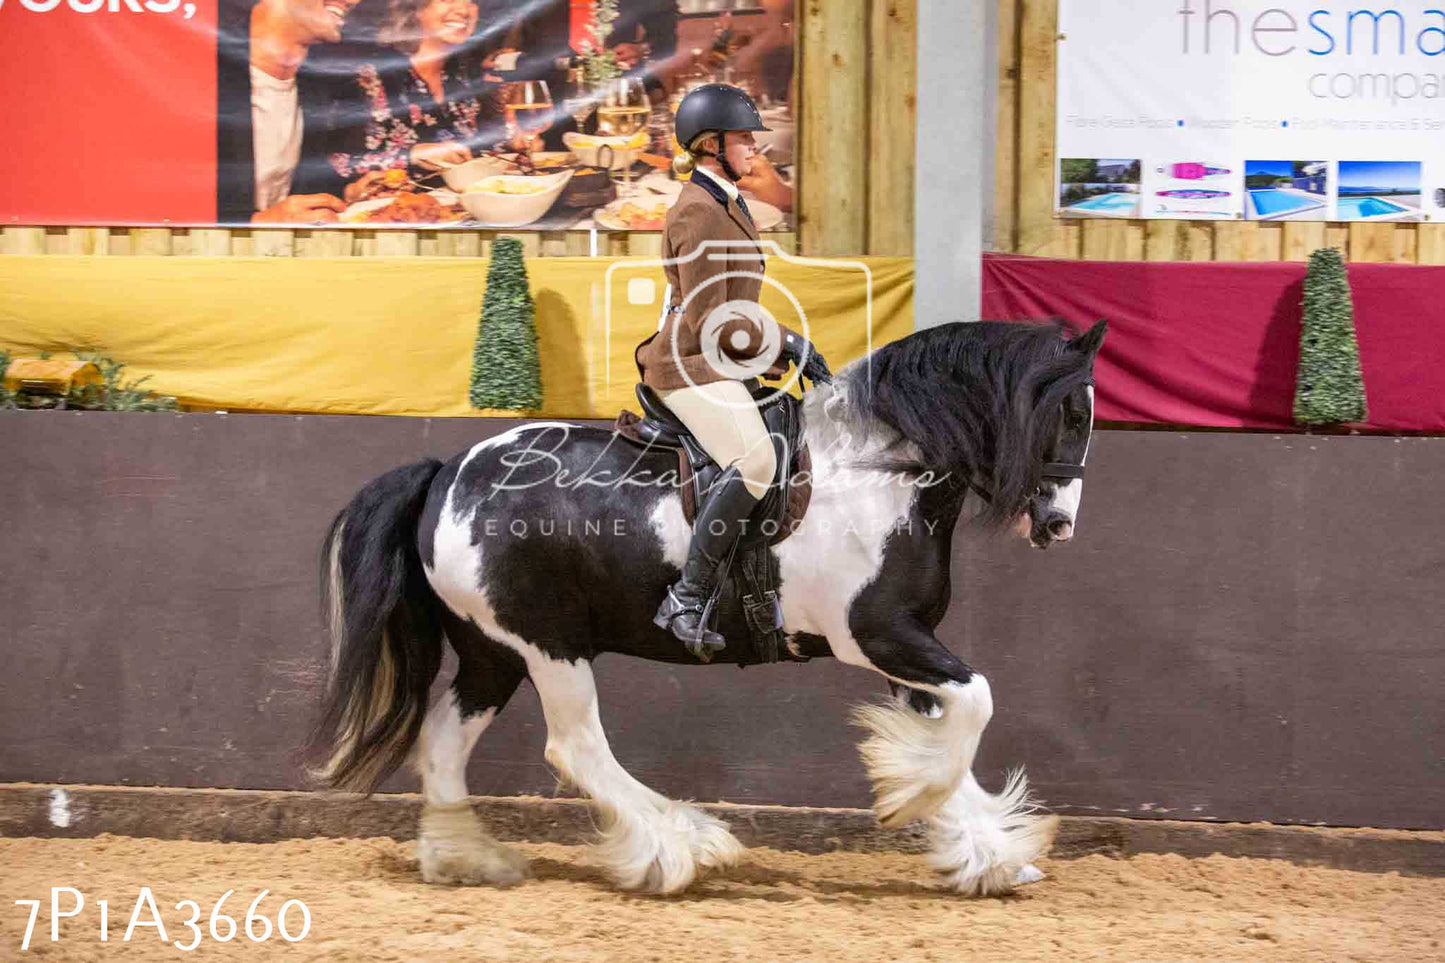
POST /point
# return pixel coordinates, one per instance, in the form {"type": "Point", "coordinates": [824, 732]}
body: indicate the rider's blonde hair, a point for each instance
{"type": "Point", "coordinates": [685, 160]}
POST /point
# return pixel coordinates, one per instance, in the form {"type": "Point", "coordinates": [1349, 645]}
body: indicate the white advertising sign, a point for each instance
{"type": "Point", "coordinates": [1253, 109]}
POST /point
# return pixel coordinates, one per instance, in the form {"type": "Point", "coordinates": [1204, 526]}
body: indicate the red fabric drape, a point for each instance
{"type": "Point", "coordinates": [1217, 344]}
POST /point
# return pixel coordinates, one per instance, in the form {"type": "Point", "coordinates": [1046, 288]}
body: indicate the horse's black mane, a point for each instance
{"type": "Point", "coordinates": [978, 400]}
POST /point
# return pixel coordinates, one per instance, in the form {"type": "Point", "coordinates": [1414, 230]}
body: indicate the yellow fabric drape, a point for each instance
{"type": "Point", "coordinates": [395, 336]}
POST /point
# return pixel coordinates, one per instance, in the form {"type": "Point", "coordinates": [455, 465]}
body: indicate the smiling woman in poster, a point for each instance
{"type": "Point", "coordinates": [418, 105]}
{"type": "Point", "coordinates": [714, 342]}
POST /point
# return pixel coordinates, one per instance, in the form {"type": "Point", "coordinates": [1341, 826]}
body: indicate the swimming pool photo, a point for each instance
{"type": "Point", "coordinates": [1107, 204]}
{"type": "Point", "coordinates": [1359, 208]}
{"type": "Point", "coordinates": [1274, 203]}
{"type": "Point", "coordinates": [1286, 190]}
{"type": "Point", "coordinates": [1379, 190]}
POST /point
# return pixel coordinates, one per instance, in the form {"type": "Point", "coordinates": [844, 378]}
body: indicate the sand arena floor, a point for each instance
{"type": "Point", "coordinates": [367, 903]}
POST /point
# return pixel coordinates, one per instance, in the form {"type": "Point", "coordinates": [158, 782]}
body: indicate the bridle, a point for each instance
{"type": "Point", "coordinates": [1065, 470]}
{"type": "Point", "coordinates": [1055, 470]}
{"type": "Point", "coordinates": [1062, 469]}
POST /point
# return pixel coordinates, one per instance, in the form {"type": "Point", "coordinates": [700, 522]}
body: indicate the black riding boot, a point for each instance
{"type": "Point", "coordinates": [720, 522]}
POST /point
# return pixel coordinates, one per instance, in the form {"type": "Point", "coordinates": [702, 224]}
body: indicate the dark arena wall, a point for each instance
{"type": "Point", "coordinates": [1246, 627]}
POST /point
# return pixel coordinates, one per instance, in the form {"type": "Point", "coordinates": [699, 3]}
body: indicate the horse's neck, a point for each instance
{"type": "Point", "coordinates": [844, 483]}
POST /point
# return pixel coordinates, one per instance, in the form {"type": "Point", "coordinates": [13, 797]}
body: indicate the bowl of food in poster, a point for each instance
{"type": "Point", "coordinates": [512, 200]}
{"type": "Point", "coordinates": [613, 153]}
{"type": "Point", "coordinates": [459, 177]}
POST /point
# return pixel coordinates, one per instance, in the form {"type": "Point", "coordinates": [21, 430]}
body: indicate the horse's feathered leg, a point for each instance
{"type": "Point", "coordinates": [920, 759]}
{"type": "Point", "coordinates": [648, 842]}
{"type": "Point", "coordinates": [452, 844]}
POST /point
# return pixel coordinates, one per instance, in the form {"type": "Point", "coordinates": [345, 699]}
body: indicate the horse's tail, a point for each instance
{"type": "Point", "coordinates": [384, 621]}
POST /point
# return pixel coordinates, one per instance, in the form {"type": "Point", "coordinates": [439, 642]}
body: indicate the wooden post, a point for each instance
{"type": "Point", "coordinates": [1038, 39]}
{"type": "Point", "coordinates": [1006, 142]}
{"type": "Point", "coordinates": [893, 125]}
{"type": "Point", "coordinates": [832, 132]}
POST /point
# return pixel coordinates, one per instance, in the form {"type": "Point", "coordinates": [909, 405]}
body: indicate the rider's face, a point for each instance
{"type": "Point", "coordinates": [740, 150]}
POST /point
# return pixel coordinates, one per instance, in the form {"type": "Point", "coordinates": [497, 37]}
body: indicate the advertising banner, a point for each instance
{"type": "Point", "coordinates": [538, 115]}
{"type": "Point", "coordinates": [1251, 109]}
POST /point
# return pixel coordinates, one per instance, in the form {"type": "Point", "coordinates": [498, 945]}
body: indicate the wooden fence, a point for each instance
{"type": "Point", "coordinates": [1024, 220]}
{"type": "Point", "coordinates": [856, 73]}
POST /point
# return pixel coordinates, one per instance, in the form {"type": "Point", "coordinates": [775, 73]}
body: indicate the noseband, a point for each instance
{"type": "Point", "coordinates": [1063, 469]}
{"type": "Point", "coordinates": [1066, 470]}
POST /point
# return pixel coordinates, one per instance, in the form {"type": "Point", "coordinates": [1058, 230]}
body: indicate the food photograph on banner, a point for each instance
{"type": "Point", "coordinates": [550, 115]}
{"type": "Point", "coordinates": [1212, 101]}
{"type": "Point", "coordinates": [546, 115]}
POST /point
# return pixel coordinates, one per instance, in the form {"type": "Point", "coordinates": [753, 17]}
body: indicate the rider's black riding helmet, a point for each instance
{"type": "Point", "coordinates": [715, 108]}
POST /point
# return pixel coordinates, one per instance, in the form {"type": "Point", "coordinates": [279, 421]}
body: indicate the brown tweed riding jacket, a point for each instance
{"type": "Point", "coordinates": [699, 217]}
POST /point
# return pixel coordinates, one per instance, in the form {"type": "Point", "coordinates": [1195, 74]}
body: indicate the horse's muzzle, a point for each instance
{"type": "Point", "coordinates": [1056, 526]}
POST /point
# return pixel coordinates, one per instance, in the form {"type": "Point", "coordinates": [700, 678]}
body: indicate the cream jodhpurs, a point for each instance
{"type": "Point", "coordinates": [726, 422]}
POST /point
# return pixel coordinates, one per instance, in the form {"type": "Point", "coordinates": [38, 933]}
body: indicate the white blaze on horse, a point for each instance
{"type": "Point", "coordinates": [510, 552]}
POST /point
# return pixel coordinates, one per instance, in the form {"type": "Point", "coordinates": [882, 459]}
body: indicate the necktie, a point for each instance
{"type": "Point", "coordinates": [744, 205]}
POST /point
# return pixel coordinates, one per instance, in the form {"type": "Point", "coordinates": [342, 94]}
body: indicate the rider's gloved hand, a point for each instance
{"type": "Point", "coordinates": [815, 368]}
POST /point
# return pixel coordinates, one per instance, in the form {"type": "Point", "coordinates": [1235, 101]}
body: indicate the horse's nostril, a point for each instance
{"type": "Point", "coordinates": [1061, 529]}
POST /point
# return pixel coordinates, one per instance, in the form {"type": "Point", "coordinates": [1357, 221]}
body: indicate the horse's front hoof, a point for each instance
{"type": "Point", "coordinates": [1028, 874]}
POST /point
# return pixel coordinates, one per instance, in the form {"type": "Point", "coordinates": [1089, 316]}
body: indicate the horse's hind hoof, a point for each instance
{"type": "Point", "coordinates": [487, 864]}
{"type": "Point", "coordinates": [453, 850]}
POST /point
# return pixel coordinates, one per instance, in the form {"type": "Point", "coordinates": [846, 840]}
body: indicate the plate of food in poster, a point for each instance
{"type": "Point", "coordinates": [645, 213]}
{"type": "Point", "coordinates": [648, 212]}
{"type": "Point", "coordinates": [405, 208]}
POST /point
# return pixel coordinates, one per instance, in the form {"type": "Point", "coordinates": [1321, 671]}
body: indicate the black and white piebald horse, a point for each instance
{"type": "Point", "coordinates": [542, 547]}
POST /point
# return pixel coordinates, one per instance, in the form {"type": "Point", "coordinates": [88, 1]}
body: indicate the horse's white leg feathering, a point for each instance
{"type": "Point", "coordinates": [648, 842]}
{"type": "Point", "coordinates": [452, 846]}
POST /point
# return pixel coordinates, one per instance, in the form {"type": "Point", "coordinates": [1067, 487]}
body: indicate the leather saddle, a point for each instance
{"type": "Point", "coordinates": [753, 580]}
{"type": "Point", "coordinates": [786, 502]}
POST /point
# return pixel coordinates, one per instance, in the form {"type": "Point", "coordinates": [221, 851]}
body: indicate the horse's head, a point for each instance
{"type": "Point", "coordinates": [1053, 509]}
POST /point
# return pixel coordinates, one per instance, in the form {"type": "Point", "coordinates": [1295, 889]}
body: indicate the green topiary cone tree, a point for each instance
{"type": "Point", "coordinates": [505, 369]}
{"type": "Point", "coordinates": [1329, 387]}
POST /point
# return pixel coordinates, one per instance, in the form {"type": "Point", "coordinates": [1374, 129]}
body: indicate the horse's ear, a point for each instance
{"type": "Point", "coordinates": [1089, 341]}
